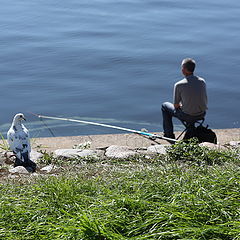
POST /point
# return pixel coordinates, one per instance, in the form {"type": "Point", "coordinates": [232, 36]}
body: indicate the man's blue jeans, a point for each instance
{"type": "Point", "coordinates": [168, 112]}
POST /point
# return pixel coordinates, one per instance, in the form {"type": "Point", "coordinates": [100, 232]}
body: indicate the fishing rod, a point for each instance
{"type": "Point", "coordinates": [150, 135]}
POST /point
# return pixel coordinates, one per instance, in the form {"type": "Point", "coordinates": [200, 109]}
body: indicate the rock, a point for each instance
{"type": "Point", "coordinates": [19, 170]}
{"type": "Point", "coordinates": [47, 169]}
{"type": "Point", "coordinates": [8, 154]}
{"type": "Point", "coordinates": [70, 153]}
{"type": "Point", "coordinates": [35, 156]}
{"type": "Point", "coordinates": [119, 152]}
{"type": "Point", "coordinates": [234, 143]}
{"type": "Point", "coordinates": [141, 151]}
{"type": "Point", "coordinates": [212, 146]}
{"type": "Point", "coordinates": [13, 176]}
{"type": "Point", "coordinates": [35, 174]}
{"type": "Point", "coordinates": [9, 157]}
{"type": "Point", "coordinates": [3, 170]}
{"type": "Point", "coordinates": [2, 159]}
{"type": "Point", "coordinates": [159, 149]}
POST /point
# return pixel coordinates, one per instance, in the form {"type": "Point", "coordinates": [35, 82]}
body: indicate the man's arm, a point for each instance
{"type": "Point", "coordinates": [176, 97]}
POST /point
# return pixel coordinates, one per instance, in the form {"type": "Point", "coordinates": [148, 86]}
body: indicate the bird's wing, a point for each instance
{"type": "Point", "coordinates": [11, 138]}
{"type": "Point", "coordinates": [14, 143]}
{"type": "Point", "coordinates": [27, 139]}
{"type": "Point", "coordinates": [15, 140]}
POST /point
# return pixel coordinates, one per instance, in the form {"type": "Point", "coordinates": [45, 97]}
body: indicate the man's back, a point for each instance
{"type": "Point", "coordinates": [189, 100]}
{"type": "Point", "coordinates": [191, 93]}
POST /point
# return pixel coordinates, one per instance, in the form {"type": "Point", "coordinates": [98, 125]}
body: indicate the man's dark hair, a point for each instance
{"type": "Point", "coordinates": [189, 64]}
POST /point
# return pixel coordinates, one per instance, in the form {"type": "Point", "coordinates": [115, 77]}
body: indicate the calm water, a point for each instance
{"type": "Point", "coordinates": [114, 61]}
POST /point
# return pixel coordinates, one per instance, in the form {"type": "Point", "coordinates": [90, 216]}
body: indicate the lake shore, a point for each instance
{"type": "Point", "coordinates": [131, 140]}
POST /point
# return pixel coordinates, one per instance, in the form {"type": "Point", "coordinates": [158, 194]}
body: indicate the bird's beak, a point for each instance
{"type": "Point", "coordinates": [24, 119]}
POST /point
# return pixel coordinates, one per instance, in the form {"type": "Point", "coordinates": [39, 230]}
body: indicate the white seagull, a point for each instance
{"type": "Point", "coordinates": [19, 141]}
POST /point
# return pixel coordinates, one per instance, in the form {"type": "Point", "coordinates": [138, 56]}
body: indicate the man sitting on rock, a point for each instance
{"type": "Point", "coordinates": [189, 99]}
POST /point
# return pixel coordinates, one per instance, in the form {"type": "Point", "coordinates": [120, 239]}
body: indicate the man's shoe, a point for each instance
{"type": "Point", "coordinates": [171, 136]}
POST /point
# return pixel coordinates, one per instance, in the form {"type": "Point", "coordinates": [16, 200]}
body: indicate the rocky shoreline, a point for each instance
{"type": "Point", "coordinates": [131, 140]}
{"type": "Point", "coordinates": [117, 146]}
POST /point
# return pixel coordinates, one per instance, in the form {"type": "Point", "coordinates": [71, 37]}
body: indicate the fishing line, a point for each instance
{"type": "Point", "coordinates": [150, 135]}
{"type": "Point", "coordinates": [49, 129]}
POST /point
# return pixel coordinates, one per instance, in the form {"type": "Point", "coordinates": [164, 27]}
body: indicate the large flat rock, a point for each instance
{"type": "Point", "coordinates": [70, 153]}
{"type": "Point", "coordinates": [115, 151]}
{"type": "Point", "coordinates": [158, 149]}
{"type": "Point", "coordinates": [35, 156]}
{"type": "Point", "coordinates": [19, 170]}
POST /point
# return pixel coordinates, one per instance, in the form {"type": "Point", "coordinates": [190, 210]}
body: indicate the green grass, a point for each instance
{"type": "Point", "coordinates": [195, 197]}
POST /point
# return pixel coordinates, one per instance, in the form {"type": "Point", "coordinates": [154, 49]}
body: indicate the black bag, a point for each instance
{"type": "Point", "coordinates": [203, 134]}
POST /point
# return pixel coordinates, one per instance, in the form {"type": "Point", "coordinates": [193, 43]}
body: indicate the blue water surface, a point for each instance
{"type": "Point", "coordinates": [114, 61]}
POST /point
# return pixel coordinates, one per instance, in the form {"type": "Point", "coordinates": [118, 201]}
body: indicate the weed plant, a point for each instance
{"type": "Point", "coordinates": [160, 198]}
{"type": "Point", "coordinates": [189, 150]}
{"type": "Point", "coordinates": [3, 143]}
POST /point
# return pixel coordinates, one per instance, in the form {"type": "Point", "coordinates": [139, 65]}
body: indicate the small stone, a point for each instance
{"type": "Point", "coordinates": [2, 159]}
{"type": "Point", "coordinates": [159, 149]}
{"type": "Point", "coordinates": [35, 156]}
{"type": "Point", "coordinates": [3, 170]}
{"type": "Point", "coordinates": [12, 176]}
{"type": "Point", "coordinates": [8, 154]}
{"type": "Point", "coordinates": [70, 153]}
{"type": "Point", "coordinates": [212, 146]}
{"type": "Point", "coordinates": [47, 169]}
{"type": "Point", "coordinates": [9, 158]}
{"type": "Point", "coordinates": [119, 152]}
{"type": "Point", "coordinates": [19, 170]}
{"type": "Point", "coordinates": [234, 143]}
